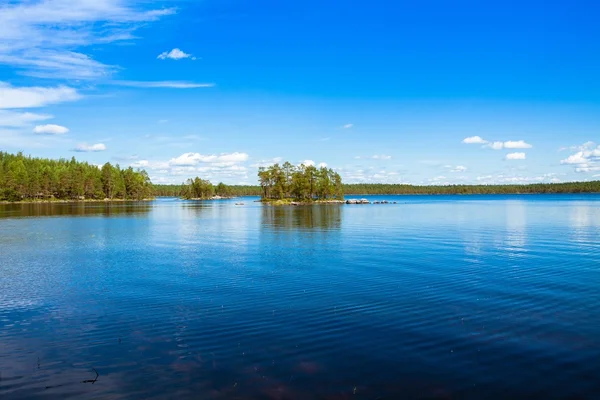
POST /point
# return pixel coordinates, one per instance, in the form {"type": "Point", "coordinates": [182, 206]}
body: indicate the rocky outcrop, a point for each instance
{"type": "Point", "coordinates": [358, 201]}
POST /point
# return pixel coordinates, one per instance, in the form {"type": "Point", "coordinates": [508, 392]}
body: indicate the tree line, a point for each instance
{"type": "Point", "coordinates": [385, 189]}
{"type": "Point", "coordinates": [183, 190]}
{"type": "Point", "coordinates": [304, 182]}
{"type": "Point", "coordinates": [27, 178]}
{"type": "Point", "coordinates": [534, 188]}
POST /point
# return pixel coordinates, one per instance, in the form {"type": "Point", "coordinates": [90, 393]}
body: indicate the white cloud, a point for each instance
{"type": "Point", "coordinates": [496, 145]}
{"type": "Point", "coordinates": [322, 165]}
{"type": "Point", "coordinates": [474, 140]}
{"type": "Point", "coordinates": [381, 157]}
{"type": "Point", "coordinates": [587, 159]}
{"type": "Point", "coordinates": [40, 36]}
{"type": "Point", "coordinates": [163, 84]}
{"type": "Point", "coordinates": [140, 164]}
{"type": "Point", "coordinates": [175, 54]}
{"type": "Point", "coordinates": [34, 96]}
{"type": "Point", "coordinates": [86, 148]}
{"type": "Point", "coordinates": [266, 163]}
{"type": "Point", "coordinates": [515, 156]}
{"type": "Point", "coordinates": [457, 168]}
{"type": "Point", "coordinates": [15, 119]}
{"type": "Point", "coordinates": [50, 129]}
{"type": "Point", "coordinates": [192, 159]}
{"type": "Point", "coordinates": [308, 162]}
{"type": "Point", "coordinates": [577, 158]}
{"type": "Point", "coordinates": [519, 144]}
{"type": "Point", "coordinates": [348, 126]}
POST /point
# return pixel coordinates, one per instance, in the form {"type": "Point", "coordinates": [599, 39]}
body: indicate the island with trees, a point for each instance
{"type": "Point", "coordinates": [202, 189]}
{"type": "Point", "coordinates": [40, 179]}
{"type": "Point", "coordinates": [290, 184]}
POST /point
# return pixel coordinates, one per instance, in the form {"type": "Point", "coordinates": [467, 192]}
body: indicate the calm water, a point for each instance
{"type": "Point", "coordinates": [436, 297]}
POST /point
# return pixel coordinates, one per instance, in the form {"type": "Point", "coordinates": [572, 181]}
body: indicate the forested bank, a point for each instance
{"type": "Point", "coordinates": [383, 189]}
{"type": "Point", "coordinates": [29, 179]}
{"type": "Point", "coordinates": [183, 190]}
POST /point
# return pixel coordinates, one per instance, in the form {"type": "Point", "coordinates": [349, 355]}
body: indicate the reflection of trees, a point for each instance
{"type": "Point", "coordinates": [318, 217]}
{"type": "Point", "coordinates": [106, 209]}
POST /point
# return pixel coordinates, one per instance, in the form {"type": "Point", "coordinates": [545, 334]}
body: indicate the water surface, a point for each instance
{"type": "Point", "coordinates": [435, 297]}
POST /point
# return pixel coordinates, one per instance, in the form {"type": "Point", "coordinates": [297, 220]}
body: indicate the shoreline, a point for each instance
{"type": "Point", "coordinates": [72, 201]}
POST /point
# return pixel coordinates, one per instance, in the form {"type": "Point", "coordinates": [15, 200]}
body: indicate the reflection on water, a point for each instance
{"type": "Point", "coordinates": [516, 224]}
{"type": "Point", "coordinates": [319, 217]}
{"type": "Point", "coordinates": [50, 209]}
{"type": "Point", "coordinates": [435, 297]}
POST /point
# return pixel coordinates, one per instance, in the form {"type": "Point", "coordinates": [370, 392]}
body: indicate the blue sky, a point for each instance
{"type": "Point", "coordinates": [427, 92]}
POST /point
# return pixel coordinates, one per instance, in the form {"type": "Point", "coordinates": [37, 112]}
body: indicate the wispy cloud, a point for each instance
{"type": "Point", "coordinates": [34, 96]}
{"type": "Point", "coordinates": [163, 84]}
{"type": "Point", "coordinates": [50, 129]}
{"type": "Point", "coordinates": [43, 37]}
{"type": "Point", "coordinates": [15, 119]}
{"type": "Point", "coordinates": [175, 54]}
{"type": "Point", "coordinates": [348, 126]}
{"type": "Point", "coordinates": [190, 159]}
{"type": "Point", "coordinates": [497, 145]}
{"type": "Point", "coordinates": [455, 168]}
{"type": "Point", "coordinates": [374, 157]}
{"type": "Point", "coordinates": [87, 148]}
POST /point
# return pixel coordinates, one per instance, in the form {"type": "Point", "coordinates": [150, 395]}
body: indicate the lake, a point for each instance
{"type": "Point", "coordinates": [449, 297]}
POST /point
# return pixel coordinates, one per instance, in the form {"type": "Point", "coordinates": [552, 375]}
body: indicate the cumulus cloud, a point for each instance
{"type": "Point", "coordinates": [474, 140]}
{"type": "Point", "coordinates": [34, 96]}
{"type": "Point", "coordinates": [519, 144]}
{"type": "Point", "coordinates": [515, 156]}
{"type": "Point", "coordinates": [496, 145]}
{"type": "Point", "coordinates": [87, 148]}
{"type": "Point", "coordinates": [175, 54]}
{"type": "Point", "coordinates": [308, 163]}
{"type": "Point", "coordinates": [587, 159]}
{"type": "Point", "coordinates": [50, 129]}
{"type": "Point", "coordinates": [191, 159]}
{"type": "Point", "coordinates": [322, 165]}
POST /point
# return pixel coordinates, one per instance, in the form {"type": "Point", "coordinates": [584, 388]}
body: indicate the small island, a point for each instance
{"type": "Point", "coordinates": [203, 189]}
{"type": "Point", "coordinates": [288, 184]}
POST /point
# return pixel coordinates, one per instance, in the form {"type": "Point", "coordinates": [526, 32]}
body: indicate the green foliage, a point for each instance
{"type": "Point", "coordinates": [383, 189]}
{"type": "Point", "coordinates": [198, 189]}
{"type": "Point", "coordinates": [27, 178]}
{"type": "Point", "coordinates": [304, 183]}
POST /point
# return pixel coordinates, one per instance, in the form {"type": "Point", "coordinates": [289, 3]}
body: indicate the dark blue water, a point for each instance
{"type": "Point", "coordinates": [436, 297]}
